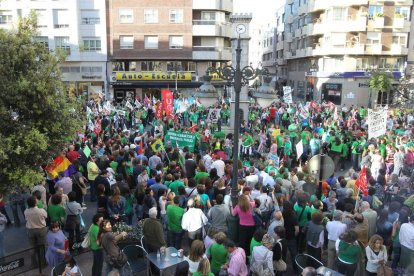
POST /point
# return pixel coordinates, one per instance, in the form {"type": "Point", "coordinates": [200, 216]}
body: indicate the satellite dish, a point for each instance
{"type": "Point", "coordinates": [318, 162]}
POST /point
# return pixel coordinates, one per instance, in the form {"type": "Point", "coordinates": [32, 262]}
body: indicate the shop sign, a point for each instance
{"type": "Point", "coordinates": [12, 265]}
{"type": "Point", "coordinates": [152, 76]}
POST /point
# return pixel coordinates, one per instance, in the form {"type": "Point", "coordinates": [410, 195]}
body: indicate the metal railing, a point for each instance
{"type": "Point", "coordinates": [23, 261]}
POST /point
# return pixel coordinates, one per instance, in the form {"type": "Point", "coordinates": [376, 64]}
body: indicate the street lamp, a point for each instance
{"type": "Point", "coordinates": [236, 77]}
{"type": "Point", "coordinates": [265, 95]}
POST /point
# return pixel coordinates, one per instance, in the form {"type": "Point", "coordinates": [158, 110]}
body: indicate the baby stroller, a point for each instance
{"type": "Point", "coordinates": [305, 260]}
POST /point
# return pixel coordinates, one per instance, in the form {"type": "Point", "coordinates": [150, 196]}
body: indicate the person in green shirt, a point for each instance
{"type": "Point", "coordinates": [175, 216]}
{"type": "Point", "coordinates": [55, 211]}
{"type": "Point", "coordinates": [217, 253]}
{"type": "Point", "coordinates": [201, 173]}
{"type": "Point", "coordinates": [357, 148]}
{"type": "Point", "coordinates": [96, 249]}
{"type": "Point", "coordinates": [293, 128]}
{"type": "Point", "coordinates": [349, 253]}
{"type": "Point", "coordinates": [247, 142]}
{"type": "Point", "coordinates": [256, 240]}
{"type": "Point", "coordinates": [176, 183]}
{"type": "Point", "coordinates": [336, 151]}
{"type": "Point", "coordinates": [203, 268]}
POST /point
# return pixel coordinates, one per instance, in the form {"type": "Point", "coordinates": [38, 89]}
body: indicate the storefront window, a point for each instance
{"type": "Point", "coordinates": [332, 92]}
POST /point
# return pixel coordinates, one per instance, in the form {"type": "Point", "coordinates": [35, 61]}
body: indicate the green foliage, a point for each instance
{"type": "Point", "coordinates": [398, 15]}
{"type": "Point", "coordinates": [36, 113]}
{"type": "Point", "coordinates": [380, 82]}
{"type": "Point", "coordinates": [378, 14]}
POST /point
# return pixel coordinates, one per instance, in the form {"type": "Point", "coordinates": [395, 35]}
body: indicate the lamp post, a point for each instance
{"type": "Point", "coordinates": [237, 77]}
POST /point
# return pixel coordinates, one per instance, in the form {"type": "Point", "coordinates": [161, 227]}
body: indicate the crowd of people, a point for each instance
{"type": "Point", "coordinates": [183, 199]}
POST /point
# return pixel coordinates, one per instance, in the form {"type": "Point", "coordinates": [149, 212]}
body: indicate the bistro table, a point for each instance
{"type": "Point", "coordinates": [170, 259]}
{"type": "Point", "coordinates": [323, 270]}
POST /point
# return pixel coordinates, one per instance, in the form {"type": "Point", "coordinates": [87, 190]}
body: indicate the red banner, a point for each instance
{"type": "Point", "coordinates": [158, 110]}
{"type": "Point", "coordinates": [167, 101]}
{"type": "Point", "coordinates": [361, 182]}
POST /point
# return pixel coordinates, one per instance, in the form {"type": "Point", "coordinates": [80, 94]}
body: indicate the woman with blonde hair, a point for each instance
{"type": "Point", "coordinates": [376, 254]}
{"type": "Point", "coordinates": [247, 227]}
{"type": "Point", "coordinates": [203, 268]}
{"type": "Point", "coordinates": [196, 255]}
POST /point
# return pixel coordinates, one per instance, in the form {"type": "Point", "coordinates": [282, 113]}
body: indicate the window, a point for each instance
{"type": "Point", "coordinates": [126, 42]}
{"type": "Point", "coordinates": [404, 11]}
{"type": "Point", "coordinates": [208, 16]}
{"type": "Point", "coordinates": [337, 14]}
{"type": "Point", "coordinates": [176, 16]}
{"type": "Point", "coordinates": [91, 69]}
{"type": "Point", "coordinates": [61, 19]}
{"type": "Point", "coordinates": [333, 64]}
{"type": "Point", "coordinates": [62, 43]}
{"type": "Point", "coordinates": [176, 42]}
{"type": "Point", "coordinates": [92, 44]}
{"type": "Point", "coordinates": [124, 66]}
{"type": "Point", "coordinates": [126, 16]}
{"type": "Point", "coordinates": [150, 66]}
{"type": "Point", "coordinates": [90, 17]}
{"type": "Point", "coordinates": [44, 40]}
{"type": "Point", "coordinates": [400, 39]}
{"type": "Point", "coordinates": [151, 42]}
{"type": "Point", "coordinates": [5, 17]}
{"type": "Point", "coordinates": [41, 18]}
{"type": "Point", "coordinates": [150, 16]}
{"type": "Point", "coordinates": [362, 64]}
{"type": "Point", "coordinates": [374, 9]}
{"type": "Point", "coordinates": [373, 38]}
{"type": "Point", "coordinates": [19, 13]}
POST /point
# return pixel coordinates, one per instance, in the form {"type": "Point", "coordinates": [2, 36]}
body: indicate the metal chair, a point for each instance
{"type": "Point", "coordinates": [305, 260]}
{"type": "Point", "coordinates": [58, 269]}
{"type": "Point", "coordinates": [136, 258]}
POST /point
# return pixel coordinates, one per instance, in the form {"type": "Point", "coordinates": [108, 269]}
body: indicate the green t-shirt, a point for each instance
{"type": "Point", "coordinates": [253, 244]}
{"type": "Point", "coordinates": [199, 175]}
{"type": "Point", "coordinates": [280, 141]}
{"type": "Point", "coordinates": [218, 255]}
{"type": "Point", "coordinates": [201, 274]}
{"type": "Point", "coordinates": [349, 253]}
{"type": "Point", "coordinates": [174, 186]}
{"type": "Point", "coordinates": [287, 149]}
{"type": "Point", "coordinates": [93, 237]}
{"type": "Point", "coordinates": [175, 215]}
{"type": "Point", "coordinates": [383, 150]}
{"type": "Point", "coordinates": [55, 212]}
{"type": "Point", "coordinates": [292, 128]}
{"type": "Point", "coordinates": [40, 204]}
{"type": "Point", "coordinates": [305, 136]}
{"type": "Point", "coordinates": [248, 141]}
{"type": "Point", "coordinates": [219, 134]}
{"type": "Point", "coordinates": [336, 148]}
{"type": "Point", "coordinates": [304, 218]}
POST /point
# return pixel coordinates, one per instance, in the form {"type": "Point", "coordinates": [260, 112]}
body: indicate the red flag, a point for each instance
{"type": "Point", "coordinates": [158, 110]}
{"type": "Point", "coordinates": [193, 128]}
{"type": "Point", "coordinates": [362, 182]}
{"type": "Point", "coordinates": [140, 149]}
{"type": "Point", "coordinates": [167, 101]}
{"type": "Point", "coordinates": [147, 101]}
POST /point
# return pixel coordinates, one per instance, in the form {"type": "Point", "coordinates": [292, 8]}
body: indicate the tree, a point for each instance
{"type": "Point", "coordinates": [37, 117]}
{"type": "Point", "coordinates": [381, 82]}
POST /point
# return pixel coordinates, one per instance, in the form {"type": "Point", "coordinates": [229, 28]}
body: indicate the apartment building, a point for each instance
{"type": "Point", "coordinates": [76, 27]}
{"type": "Point", "coordinates": [330, 47]}
{"type": "Point", "coordinates": [165, 44]}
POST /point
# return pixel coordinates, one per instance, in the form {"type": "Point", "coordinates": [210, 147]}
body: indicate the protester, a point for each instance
{"type": "Point", "coordinates": [55, 238]}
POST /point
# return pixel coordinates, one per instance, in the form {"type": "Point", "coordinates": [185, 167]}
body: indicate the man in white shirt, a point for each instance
{"type": "Point", "coordinates": [335, 228]}
{"type": "Point", "coordinates": [251, 179]}
{"type": "Point", "coordinates": [407, 246]}
{"type": "Point", "coordinates": [218, 164]}
{"type": "Point", "coordinates": [269, 180]}
{"type": "Point", "coordinates": [207, 160]}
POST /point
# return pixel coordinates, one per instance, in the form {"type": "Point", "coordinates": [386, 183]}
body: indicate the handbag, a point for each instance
{"type": "Point", "coordinates": [384, 270]}
{"type": "Point", "coordinates": [280, 264]}
{"type": "Point", "coordinates": [118, 261]}
{"type": "Point", "coordinates": [87, 241]}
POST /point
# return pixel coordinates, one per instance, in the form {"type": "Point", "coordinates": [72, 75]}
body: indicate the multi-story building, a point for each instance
{"type": "Point", "coordinates": [165, 44]}
{"type": "Point", "coordinates": [330, 47]}
{"type": "Point", "coordinates": [76, 27]}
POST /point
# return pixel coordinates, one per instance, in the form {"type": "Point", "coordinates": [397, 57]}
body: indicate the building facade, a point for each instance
{"type": "Point", "coordinates": [76, 27]}
{"type": "Point", "coordinates": [331, 47]}
{"type": "Point", "coordinates": [157, 44]}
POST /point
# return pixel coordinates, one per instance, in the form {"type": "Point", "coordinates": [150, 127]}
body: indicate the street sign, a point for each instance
{"type": "Point", "coordinates": [323, 162]}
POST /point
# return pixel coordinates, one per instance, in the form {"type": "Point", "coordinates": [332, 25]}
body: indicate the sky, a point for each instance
{"type": "Point", "coordinates": [258, 7]}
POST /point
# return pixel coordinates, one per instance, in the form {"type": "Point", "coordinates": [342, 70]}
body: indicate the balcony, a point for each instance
{"type": "Point", "coordinates": [319, 5]}
{"type": "Point", "coordinates": [376, 23]}
{"type": "Point", "coordinates": [373, 49]}
{"type": "Point", "coordinates": [325, 50]}
{"type": "Point", "coordinates": [398, 23]}
{"type": "Point", "coordinates": [397, 49]}
{"type": "Point", "coordinates": [221, 5]}
{"type": "Point", "coordinates": [290, 2]}
{"type": "Point", "coordinates": [288, 55]}
{"type": "Point", "coordinates": [280, 61]}
{"type": "Point", "coordinates": [210, 52]}
{"type": "Point", "coordinates": [288, 37]}
{"type": "Point", "coordinates": [211, 28]}
{"type": "Point", "coordinates": [346, 26]}
{"type": "Point", "coordinates": [290, 18]}
{"type": "Point", "coordinates": [298, 32]}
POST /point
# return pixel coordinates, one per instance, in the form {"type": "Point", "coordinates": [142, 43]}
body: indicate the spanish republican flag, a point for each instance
{"type": "Point", "coordinates": [60, 164]}
{"type": "Point", "coordinates": [157, 146]}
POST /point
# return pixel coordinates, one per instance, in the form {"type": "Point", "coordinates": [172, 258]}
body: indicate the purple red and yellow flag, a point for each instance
{"type": "Point", "coordinates": [60, 164]}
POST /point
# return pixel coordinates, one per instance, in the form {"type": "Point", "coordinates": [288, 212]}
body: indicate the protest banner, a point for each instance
{"type": "Point", "coordinates": [213, 115]}
{"type": "Point", "coordinates": [299, 149]}
{"type": "Point", "coordinates": [377, 123]}
{"type": "Point", "coordinates": [287, 94]}
{"type": "Point", "coordinates": [167, 101]}
{"type": "Point", "coordinates": [180, 140]}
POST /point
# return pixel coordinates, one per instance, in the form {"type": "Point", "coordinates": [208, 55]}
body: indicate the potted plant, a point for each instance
{"type": "Point", "coordinates": [134, 233]}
